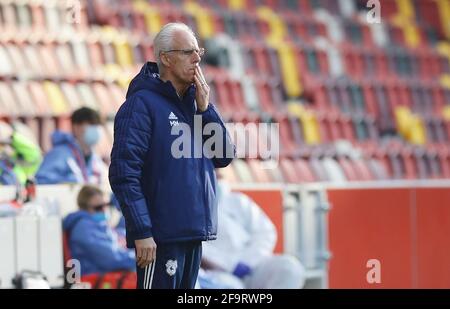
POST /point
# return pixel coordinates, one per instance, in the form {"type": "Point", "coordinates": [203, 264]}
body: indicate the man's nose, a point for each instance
{"type": "Point", "coordinates": [196, 57]}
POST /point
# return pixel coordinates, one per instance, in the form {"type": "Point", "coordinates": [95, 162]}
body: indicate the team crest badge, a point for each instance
{"type": "Point", "coordinates": [171, 267]}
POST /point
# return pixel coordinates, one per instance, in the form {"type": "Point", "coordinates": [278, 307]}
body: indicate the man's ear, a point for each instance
{"type": "Point", "coordinates": [165, 60]}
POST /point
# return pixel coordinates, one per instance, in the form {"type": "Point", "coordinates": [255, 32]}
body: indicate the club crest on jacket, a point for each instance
{"type": "Point", "coordinates": [171, 267]}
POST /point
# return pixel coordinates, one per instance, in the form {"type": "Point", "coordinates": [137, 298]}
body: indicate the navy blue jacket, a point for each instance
{"type": "Point", "coordinates": [167, 198]}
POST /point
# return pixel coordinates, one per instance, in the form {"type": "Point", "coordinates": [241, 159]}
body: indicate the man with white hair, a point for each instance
{"type": "Point", "coordinates": [168, 201]}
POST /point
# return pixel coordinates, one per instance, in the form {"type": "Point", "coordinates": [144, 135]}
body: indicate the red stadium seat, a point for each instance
{"type": "Point", "coordinates": [444, 161]}
{"type": "Point", "coordinates": [110, 280]}
{"type": "Point", "coordinates": [304, 171]}
{"type": "Point", "coordinates": [289, 171]}
{"type": "Point", "coordinates": [96, 53]}
{"type": "Point", "coordinates": [362, 170]}
{"type": "Point", "coordinates": [104, 98]}
{"type": "Point", "coordinates": [357, 106]}
{"type": "Point", "coordinates": [348, 169]}
{"type": "Point", "coordinates": [408, 164]}
{"type": "Point", "coordinates": [259, 173]}
{"type": "Point", "coordinates": [297, 131]}
{"type": "Point", "coordinates": [318, 170]}
{"type": "Point", "coordinates": [288, 146]}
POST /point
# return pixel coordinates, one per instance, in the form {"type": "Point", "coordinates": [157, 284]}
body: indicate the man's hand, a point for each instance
{"type": "Point", "coordinates": [145, 251]}
{"type": "Point", "coordinates": [202, 93]}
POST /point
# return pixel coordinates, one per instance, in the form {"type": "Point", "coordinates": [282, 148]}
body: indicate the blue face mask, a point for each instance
{"type": "Point", "coordinates": [99, 216]}
{"type": "Point", "coordinates": [92, 135]}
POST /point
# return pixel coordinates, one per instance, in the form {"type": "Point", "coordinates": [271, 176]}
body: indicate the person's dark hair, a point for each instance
{"type": "Point", "coordinates": [85, 115]}
{"type": "Point", "coordinates": [85, 194]}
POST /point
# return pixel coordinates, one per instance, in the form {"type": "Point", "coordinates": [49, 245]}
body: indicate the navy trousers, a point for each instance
{"type": "Point", "coordinates": [175, 267]}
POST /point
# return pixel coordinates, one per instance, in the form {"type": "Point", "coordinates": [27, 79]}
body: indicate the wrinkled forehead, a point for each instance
{"type": "Point", "coordinates": [184, 40]}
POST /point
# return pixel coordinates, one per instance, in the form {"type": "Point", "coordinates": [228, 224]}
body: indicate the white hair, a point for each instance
{"type": "Point", "coordinates": [163, 40]}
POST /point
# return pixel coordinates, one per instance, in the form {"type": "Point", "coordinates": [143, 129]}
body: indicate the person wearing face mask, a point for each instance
{"type": "Point", "coordinates": [72, 158]}
{"type": "Point", "coordinates": [95, 244]}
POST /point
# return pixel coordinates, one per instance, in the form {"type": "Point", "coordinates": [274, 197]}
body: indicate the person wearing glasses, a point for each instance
{"type": "Point", "coordinates": [168, 200]}
{"type": "Point", "coordinates": [92, 241]}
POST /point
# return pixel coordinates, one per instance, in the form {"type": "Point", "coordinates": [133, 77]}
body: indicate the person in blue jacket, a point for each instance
{"type": "Point", "coordinates": [92, 241]}
{"type": "Point", "coordinates": [163, 175]}
{"type": "Point", "coordinates": [72, 158]}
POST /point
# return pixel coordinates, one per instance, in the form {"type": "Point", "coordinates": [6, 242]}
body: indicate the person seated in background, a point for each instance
{"type": "Point", "coordinates": [72, 158]}
{"type": "Point", "coordinates": [98, 247]}
{"type": "Point", "coordinates": [20, 156]}
{"type": "Point", "coordinates": [7, 175]}
{"type": "Point", "coordinates": [242, 256]}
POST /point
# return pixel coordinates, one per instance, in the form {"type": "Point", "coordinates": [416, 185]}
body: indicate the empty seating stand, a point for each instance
{"type": "Point", "coordinates": [349, 77]}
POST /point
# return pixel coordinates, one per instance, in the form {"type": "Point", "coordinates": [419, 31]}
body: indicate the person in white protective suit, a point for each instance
{"type": "Point", "coordinates": [242, 256]}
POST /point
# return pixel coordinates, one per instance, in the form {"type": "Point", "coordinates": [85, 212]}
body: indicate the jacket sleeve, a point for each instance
{"type": "Point", "coordinates": [132, 133]}
{"type": "Point", "coordinates": [102, 250]}
{"type": "Point", "coordinates": [53, 169]}
{"type": "Point", "coordinates": [211, 115]}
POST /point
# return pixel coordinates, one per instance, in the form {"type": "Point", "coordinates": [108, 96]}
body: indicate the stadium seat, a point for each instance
{"type": "Point", "coordinates": [333, 170]}
{"type": "Point", "coordinates": [286, 135]}
{"type": "Point", "coordinates": [243, 171]}
{"type": "Point", "coordinates": [304, 171]}
{"type": "Point", "coordinates": [289, 171]}
{"type": "Point", "coordinates": [110, 280]}
{"type": "Point", "coordinates": [348, 169]}
{"type": "Point", "coordinates": [318, 170]}
{"type": "Point", "coordinates": [56, 98]}
{"type": "Point", "coordinates": [348, 78]}
{"type": "Point", "coordinates": [362, 170]}
{"type": "Point", "coordinates": [378, 170]}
